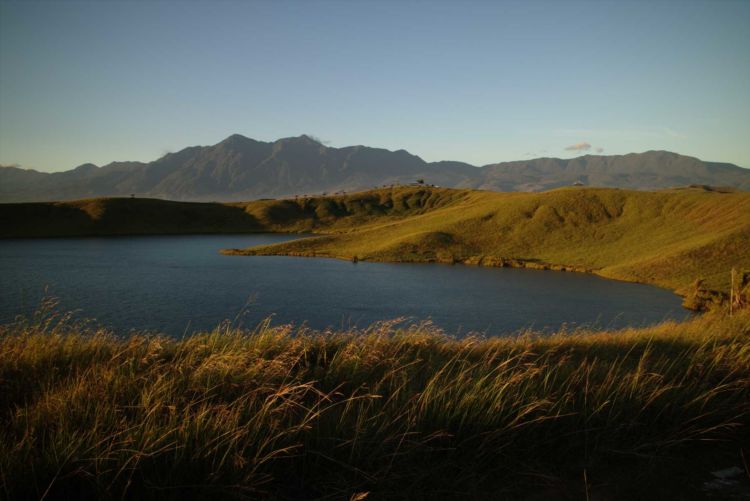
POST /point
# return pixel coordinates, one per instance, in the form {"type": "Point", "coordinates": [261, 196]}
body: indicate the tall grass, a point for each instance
{"type": "Point", "coordinates": [391, 411]}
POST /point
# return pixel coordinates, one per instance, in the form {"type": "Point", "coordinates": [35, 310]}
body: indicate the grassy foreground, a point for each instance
{"type": "Point", "coordinates": [389, 412]}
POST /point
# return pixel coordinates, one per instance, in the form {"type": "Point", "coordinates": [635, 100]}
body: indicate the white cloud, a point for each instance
{"type": "Point", "coordinates": [579, 147]}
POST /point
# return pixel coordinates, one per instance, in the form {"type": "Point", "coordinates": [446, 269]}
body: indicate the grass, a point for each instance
{"type": "Point", "coordinates": [667, 238]}
{"type": "Point", "coordinates": [390, 412]}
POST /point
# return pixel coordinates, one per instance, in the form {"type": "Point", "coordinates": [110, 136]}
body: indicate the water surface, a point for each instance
{"type": "Point", "coordinates": [178, 284]}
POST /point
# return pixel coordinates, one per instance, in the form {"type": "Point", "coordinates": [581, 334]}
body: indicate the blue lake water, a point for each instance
{"type": "Point", "coordinates": [179, 284]}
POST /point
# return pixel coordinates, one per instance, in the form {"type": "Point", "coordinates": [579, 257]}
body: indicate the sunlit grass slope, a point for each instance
{"type": "Point", "coordinates": [399, 413]}
{"type": "Point", "coordinates": [668, 238]}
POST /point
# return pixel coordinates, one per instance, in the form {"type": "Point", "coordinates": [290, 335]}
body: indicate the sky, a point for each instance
{"type": "Point", "coordinates": [480, 82]}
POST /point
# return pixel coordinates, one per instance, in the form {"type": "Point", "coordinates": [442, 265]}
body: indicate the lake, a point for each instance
{"type": "Point", "coordinates": [179, 284]}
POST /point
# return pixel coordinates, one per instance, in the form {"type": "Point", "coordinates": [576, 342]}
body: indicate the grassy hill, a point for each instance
{"type": "Point", "coordinates": [120, 216]}
{"type": "Point", "coordinates": [668, 238]}
{"type": "Point", "coordinates": [144, 216]}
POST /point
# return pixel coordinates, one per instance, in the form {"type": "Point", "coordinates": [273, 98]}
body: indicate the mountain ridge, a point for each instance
{"type": "Point", "coordinates": [242, 168]}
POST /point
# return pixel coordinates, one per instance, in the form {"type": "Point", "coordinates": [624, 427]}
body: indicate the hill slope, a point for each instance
{"type": "Point", "coordinates": [240, 168]}
{"type": "Point", "coordinates": [668, 238]}
{"type": "Point", "coordinates": [121, 216]}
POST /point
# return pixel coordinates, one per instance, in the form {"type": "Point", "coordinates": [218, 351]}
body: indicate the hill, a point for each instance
{"type": "Point", "coordinates": [668, 238]}
{"type": "Point", "coordinates": [121, 216]}
{"type": "Point", "coordinates": [240, 168]}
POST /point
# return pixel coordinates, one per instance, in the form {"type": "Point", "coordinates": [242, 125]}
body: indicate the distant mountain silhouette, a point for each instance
{"type": "Point", "coordinates": [649, 170]}
{"type": "Point", "coordinates": [240, 168]}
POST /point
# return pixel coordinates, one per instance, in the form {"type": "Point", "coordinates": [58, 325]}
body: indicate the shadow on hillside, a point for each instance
{"type": "Point", "coordinates": [122, 216]}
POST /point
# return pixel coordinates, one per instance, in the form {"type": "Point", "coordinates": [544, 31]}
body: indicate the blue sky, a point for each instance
{"type": "Point", "coordinates": [480, 82]}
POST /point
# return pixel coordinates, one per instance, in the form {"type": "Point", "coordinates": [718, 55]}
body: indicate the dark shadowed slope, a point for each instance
{"type": "Point", "coordinates": [240, 168]}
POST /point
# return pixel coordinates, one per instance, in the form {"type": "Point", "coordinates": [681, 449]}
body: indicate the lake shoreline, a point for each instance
{"type": "Point", "coordinates": [154, 282]}
{"type": "Point", "coordinates": [479, 261]}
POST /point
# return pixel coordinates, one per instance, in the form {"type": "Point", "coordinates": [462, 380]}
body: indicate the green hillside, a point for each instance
{"type": "Point", "coordinates": [668, 238]}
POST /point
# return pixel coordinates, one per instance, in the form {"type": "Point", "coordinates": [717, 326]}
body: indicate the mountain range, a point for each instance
{"type": "Point", "coordinates": [240, 168]}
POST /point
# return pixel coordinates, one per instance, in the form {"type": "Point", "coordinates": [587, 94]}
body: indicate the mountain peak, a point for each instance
{"type": "Point", "coordinates": [86, 168]}
{"type": "Point", "coordinates": [237, 139]}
